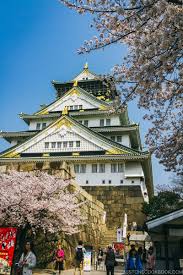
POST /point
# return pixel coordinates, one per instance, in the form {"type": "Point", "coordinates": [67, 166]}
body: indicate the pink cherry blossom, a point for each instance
{"type": "Point", "coordinates": [40, 201]}
{"type": "Point", "coordinates": [152, 71]}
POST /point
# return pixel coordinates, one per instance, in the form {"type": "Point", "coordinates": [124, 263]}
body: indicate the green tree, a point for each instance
{"type": "Point", "coordinates": [166, 201]}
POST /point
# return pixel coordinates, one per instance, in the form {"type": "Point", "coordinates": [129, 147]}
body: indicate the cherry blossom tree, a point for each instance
{"type": "Point", "coordinates": [38, 201]}
{"type": "Point", "coordinates": [152, 71]}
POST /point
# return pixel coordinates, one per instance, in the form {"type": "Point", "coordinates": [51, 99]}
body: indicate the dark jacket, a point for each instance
{"type": "Point", "coordinates": [110, 258]}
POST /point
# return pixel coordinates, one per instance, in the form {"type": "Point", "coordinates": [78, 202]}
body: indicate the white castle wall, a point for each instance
{"type": "Point", "coordinates": [92, 121]}
{"type": "Point", "coordinates": [85, 145]}
{"type": "Point", "coordinates": [74, 101]}
{"type": "Point", "coordinates": [125, 138]}
{"type": "Point", "coordinates": [33, 123]}
{"type": "Point", "coordinates": [95, 121]}
{"type": "Point", "coordinates": [118, 178]}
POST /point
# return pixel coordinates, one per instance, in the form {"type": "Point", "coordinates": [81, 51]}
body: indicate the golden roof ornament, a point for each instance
{"type": "Point", "coordinates": [65, 111]}
{"type": "Point", "coordinates": [75, 83]}
{"type": "Point", "coordinates": [86, 66]}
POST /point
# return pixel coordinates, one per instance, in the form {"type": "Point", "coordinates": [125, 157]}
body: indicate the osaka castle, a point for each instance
{"type": "Point", "coordinates": [79, 127]}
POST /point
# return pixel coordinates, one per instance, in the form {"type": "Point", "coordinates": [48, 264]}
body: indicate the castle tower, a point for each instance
{"type": "Point", "coordinates": [83, 128]}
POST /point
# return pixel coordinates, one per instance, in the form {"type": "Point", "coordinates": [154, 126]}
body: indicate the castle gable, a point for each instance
{"type": "Point", "coordinates": [85, 75]}
{"type": "Point", "coordinates": [64, 139]}
{"type": "Point", "coordinates": [75, 99]}
{"type": "Point", "coordinates": [67, 135]}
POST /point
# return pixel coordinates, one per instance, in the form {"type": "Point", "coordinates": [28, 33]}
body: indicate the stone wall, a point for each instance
{"type": "Point", "coordinates": [118, 200]}
{"type": "Point", "coordinates": [91, 233]}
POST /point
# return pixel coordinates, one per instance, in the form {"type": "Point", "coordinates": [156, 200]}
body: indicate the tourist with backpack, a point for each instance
{"type": "Point", "coordinates": [79, 257]}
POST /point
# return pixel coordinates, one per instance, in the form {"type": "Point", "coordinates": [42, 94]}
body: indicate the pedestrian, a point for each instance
{"type": "Point", "coordinates": [134, 264]}
{"type": "Point", "coordinates": [27, 260]}
{"type": "Point", "coordinates": [140, 255]}
{"type": "Point", "coordinates": [150, 262]}
{"type": "Point", "coordinates": [139, 260]}
{"type": "Point", "coordinates": [79, 257]}
{"type": "Point", "coordinates": [59, 258]}
{"type": "Point", "coordinates": [128, 237]}
{"type": "Point", "coordinates": [110, 260]}
{"type": "Point", "coordinates": [100, 255]}
{"type": "Point", "coordinates": [144, 256]}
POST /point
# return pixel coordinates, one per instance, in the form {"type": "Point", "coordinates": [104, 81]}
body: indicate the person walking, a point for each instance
{"type": "Point", "coordinates": [150, 262]}
{"type": "Point", "coordinates": [100, 255]}
{"type": "Point", "coordinates": [79, 257]}
{"type": "Point", "coordinates": [27, 260]}
{"type": "Point", "coordinates": [59, 258]}
{"type": "Point", "coordinates": [134, 264]}
{"type": "Point", "coordinates": [110, 260]}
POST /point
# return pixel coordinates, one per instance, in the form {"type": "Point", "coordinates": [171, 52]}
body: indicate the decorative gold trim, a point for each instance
{"type": "Point", "coordinates": [103, 107]}
{"type": "Point", "coordinates": [74, 92]}
{"type": "Point", "coordinates": [75, 83]}
{"type": "Point", "coordinates": [42, 112]}
{"type": "Point", "coordinates": [46, 154]}
{"type": "Point", "coordinates": [65, 111]}
{"type": "Point", "coordinates": [75, 154]}
{"type": "Point", "coordinates": [64, 122]}
{"type": "Point", "coordinates": [115, 151]}
{"type": "Point", "coordinates": [101, 97]}
{"type": "Point", "coordinates": [13, 154]}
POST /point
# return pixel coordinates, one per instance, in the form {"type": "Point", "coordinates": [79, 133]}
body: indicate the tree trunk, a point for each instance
{"type": "Point", "coordinates": [20, 242]}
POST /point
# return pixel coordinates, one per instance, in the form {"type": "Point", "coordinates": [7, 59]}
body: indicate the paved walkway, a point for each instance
{"type": "Point", "coordinates": [71, 272]}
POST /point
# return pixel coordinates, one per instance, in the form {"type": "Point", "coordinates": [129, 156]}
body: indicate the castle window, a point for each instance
{"type": "Point", "coordinates": [113, 168]}
{"type": "Point", "coordinates": [76, 168]}
{"type": "Point", "coordinates": [94, 168]}
{"type": "Point", "coordinates": [87, 181]}
{"type": "Point", "coordinates": [77, 143]}
{"type": "Point", "coordinates": [71, 107]}
{"type": "Point", "coordinates": [119, 138]}
{"type": "Point", "coordinates": [109, 181]}
{"type": "Point", "coordinates": [38, 126]}
{"type": "Point", "coordinates": [80, 121]}
{"type": "Point", "coordinates": [46, 145]}
{"type": "Point", "coordinates": [121, 181]}
{"type": "Point", "coordinates": [43, 125]}
{"type": "Point", "coordinates": [59, 144]}
{"type": "Point", "coordinates": [113, 138]}
{"type": "Point", "coordinates": [53, 145]}
{"type": "Point", "coordinates": [101, 122]}
{"type": "Point", "coordinates": [132, 181]}
{"type": "Point", "coordinates": [65, 144]}
{"type": "Point", "coordinates": [83, 168]}
{"type": "Point", "coordinates": [75, 107]}
{"type": "Point", "coordinates": [101, 168]}
{"type": "Point", "coordinates": [103, 181]}
{"type": "Point", "coordinates": [80, 107]}
{"type": "Point", "coordinates": [71, 143]}
{"type": "Point", "coordinates": [86, 123]}
{"type": "Point", "coordinates": [120, 167]}
{"type": "Point", "coordinates": [108, 122]}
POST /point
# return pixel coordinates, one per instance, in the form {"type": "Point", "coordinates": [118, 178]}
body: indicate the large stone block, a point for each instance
{"type": "Point", "coordinates": [117, 201]}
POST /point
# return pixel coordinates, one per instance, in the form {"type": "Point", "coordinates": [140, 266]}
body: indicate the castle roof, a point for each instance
{"type": "Point", "coordinates": [110, 147]}
{"type": "Point", "coordinates": [76, 90]}
{"type": "Point", "coordinates": [94, 84]}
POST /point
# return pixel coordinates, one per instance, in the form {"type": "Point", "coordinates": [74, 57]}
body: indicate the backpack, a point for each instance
{"type": "Point", "coordinates": [79, 254]}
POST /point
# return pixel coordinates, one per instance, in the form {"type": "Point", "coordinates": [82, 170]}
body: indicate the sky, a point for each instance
{"type": "Point", "coordinates": [38, 43]}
